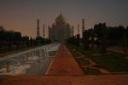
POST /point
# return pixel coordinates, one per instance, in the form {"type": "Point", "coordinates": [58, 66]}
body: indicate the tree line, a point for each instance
{"type": "Point", "coordinates": [11, 40]}
{"type": "Point", "coordinates": [102, 36]}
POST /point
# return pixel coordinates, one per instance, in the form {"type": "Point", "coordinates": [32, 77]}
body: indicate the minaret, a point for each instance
{"type": "Point", "coordinates": [83, 26]}
{"type": "Point", "coordinates": [78, 29]}
{"type": "Point", "coordinates": [38, 27]}
{"type": "Point", "coordinates": [43, 30]}
{"type": "Point", "coordinates": [78, 32]}
{"type": "Point", "coordinates": [72, 31]}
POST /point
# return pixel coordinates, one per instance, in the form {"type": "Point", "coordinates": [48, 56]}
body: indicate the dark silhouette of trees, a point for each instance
{"type": "Point", "coordinates": [100, 31]}
{"type": "Point", "coordinates": [87, 39]}
{"type": "Point", "coordinates": [42, 41]}
{"type": "Point", "coordinates": [10, 40]}
{"type": "Point", "coordinates": [75, 40]}
{"type": "Point", "coordinates": [102, 36]}
{"type": "Point", "coordinates": [116, 35]}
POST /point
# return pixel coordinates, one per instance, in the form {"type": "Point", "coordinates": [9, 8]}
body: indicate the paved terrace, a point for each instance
{"type": "Point", "coordinates": [64, 71]}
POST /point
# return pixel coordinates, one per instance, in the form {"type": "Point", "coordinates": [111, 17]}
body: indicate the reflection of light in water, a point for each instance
{"type": "Point", "coordinates": [22, 69]}
{"type": "Point", "coordinates": [19, 68]}
{"type": "Point", "coordinates": [14, 70]}
{"type": "Point", "coordinates": [19, 65]}
{"type": "Point", "coordinates": [33, 58]}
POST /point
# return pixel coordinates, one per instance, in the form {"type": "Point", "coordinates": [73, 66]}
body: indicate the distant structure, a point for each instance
{"type": "Point", "coordinates": [83, 26]}
{"type": "Point", "coordinates": [78, 32]}
{"type": "Point", "coordinates": [38, 28]}
{"type": "Point", "coordinates": [78, 29]}
{"type": "Point", "coordinates": [43, 30]}
{"type": "Point", "coordinates": [72, 31]}
{"type": "Point", "coordinates": [60, 30]}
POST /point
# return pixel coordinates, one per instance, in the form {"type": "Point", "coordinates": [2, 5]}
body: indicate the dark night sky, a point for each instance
{"type": "Point", "coordinates": [21, 15]}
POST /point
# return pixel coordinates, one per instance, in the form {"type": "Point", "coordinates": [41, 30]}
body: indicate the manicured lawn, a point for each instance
{"type": "Point", "coordinates": [113, 62]}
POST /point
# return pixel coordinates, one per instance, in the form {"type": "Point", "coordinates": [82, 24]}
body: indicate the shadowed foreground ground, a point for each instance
{"type": "Point", "coordinates": [64, 71]}
{"type": "Point", "coordinates": [65, 80]}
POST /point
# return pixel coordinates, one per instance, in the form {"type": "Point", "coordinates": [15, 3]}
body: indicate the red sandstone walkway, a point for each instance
{"type": "Point", "coordinates": [64, 64]}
